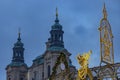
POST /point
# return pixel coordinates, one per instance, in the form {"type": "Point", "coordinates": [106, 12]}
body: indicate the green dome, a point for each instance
{"type": "Point", "coordinates": [57, 26]}
{"type": "Point", "coordinates": [39, 60]}
{"type": "Point", "coordinates": [18, 44]}
{"type": "Point", "coordinates": [17, 64]}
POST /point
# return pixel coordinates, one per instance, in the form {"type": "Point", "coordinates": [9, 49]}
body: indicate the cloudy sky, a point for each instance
{"type": "Point", "coordinates": [80, 20]}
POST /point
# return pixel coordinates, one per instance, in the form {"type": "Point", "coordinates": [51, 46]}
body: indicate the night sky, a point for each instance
{"type": "Point", "coordinates": [80, 20]}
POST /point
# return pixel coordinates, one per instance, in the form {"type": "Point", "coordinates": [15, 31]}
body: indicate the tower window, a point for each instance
{"type": "Point", "coordinates": [21, 78]}
{"type": "Point", "coordinates": [48, 70]}
{"type": "Point", "coordinates": [42, 75]}
{"type": "Point", "coordinates": [9, 78]}
{"type": "Point", "coordinates": [17, 54]}
{"type": "Point", "coordinates": [35, 75]}
{"type": "Point", "coordinates": [55, 36]}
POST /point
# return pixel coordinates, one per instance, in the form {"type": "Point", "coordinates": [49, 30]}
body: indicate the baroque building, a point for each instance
{"type": "Point", "coordinates": [42, 66]}
{"type": "Point", "coordinates": [55, 63]}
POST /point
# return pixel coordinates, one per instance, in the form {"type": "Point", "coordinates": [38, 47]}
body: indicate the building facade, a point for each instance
{"type": "Point", "coordinates": [42, 66]}
{"type": "Point", "coordinates": [17, 69]}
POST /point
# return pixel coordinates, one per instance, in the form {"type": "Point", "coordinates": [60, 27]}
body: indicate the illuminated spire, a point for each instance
{"type": "Point", "coordinates": [104, 12]}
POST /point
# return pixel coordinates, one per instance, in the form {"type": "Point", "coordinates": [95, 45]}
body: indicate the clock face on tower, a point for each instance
{"type": "Point", "coordinates": [62, 66]}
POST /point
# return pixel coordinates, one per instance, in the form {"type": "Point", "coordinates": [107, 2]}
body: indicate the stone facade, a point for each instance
{"type": "Point", "coordinates": [42, 70]}
{"type": "Point", "coordinates": [17, 73]}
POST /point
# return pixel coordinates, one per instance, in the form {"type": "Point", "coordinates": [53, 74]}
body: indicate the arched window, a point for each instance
{"type": "Point", "coordinates": [17, 54]}
{"type": "Point", "coordinates": [48, 70]}
{"type": "Point", "coordinates": [35, 75]}
{"type": "Point", "coordinates": [42, 75]}
{"type": "Point", "coordinates": [55, 36]}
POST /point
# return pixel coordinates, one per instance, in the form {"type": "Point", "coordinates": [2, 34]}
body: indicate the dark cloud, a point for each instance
{"type": "Point", "coordinates": [80, 29]}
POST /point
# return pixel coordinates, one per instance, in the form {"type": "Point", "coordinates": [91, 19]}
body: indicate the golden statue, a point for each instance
{"type": "Point", "coordinates": [84, 71]}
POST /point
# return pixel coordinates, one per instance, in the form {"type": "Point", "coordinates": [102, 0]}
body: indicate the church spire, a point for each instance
{"type": "Point", "coordinates": [17, 69]}
{"type": "Point", "coordinates": [18, 50]}
{"type": "Point", "coordinates": [104, 12]}
{"type": "Point", "coordinates": [56, 39]}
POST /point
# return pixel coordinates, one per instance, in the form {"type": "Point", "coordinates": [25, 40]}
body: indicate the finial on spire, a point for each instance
{"type": "Point", "coordinates": [104, 12]}
{"type": "Point", "coordinates": [57, 21]}
{"type": "Point", "coordinates": [56, 12]}
{"type": "Point", "coordinates": [19, 34]}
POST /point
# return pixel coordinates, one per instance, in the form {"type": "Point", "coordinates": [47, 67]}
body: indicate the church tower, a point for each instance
{"type": "Point", "coordinates": [56, 35]}
{"type": "Point", "coordinates": [42, 66]}
{"type": "Point", "coordinates": [17, 69]}
{"type": "Point", "coordinates": [54, 47]}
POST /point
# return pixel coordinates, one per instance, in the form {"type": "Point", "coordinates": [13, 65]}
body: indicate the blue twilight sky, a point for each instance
{"type": "Point", "coordinates": [80, 20]}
